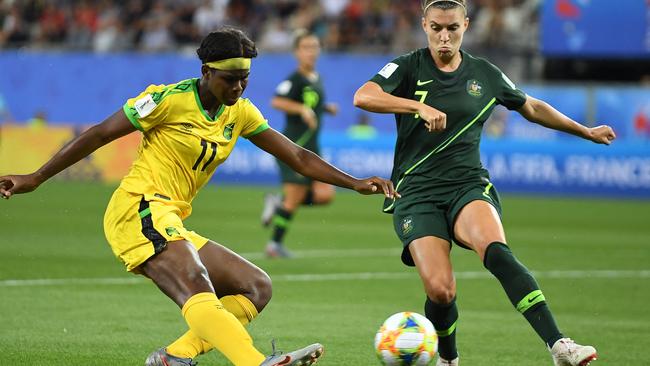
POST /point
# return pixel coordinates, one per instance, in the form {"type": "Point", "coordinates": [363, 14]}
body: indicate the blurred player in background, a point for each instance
{"type": "Point", "coordinates": [441, 96]}
{"type": "Point", "coordinates": [189, 129]}
{"type": "Point", "coordinates": [302, 98]}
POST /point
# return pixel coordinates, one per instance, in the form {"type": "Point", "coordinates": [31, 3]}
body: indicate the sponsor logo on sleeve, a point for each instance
{"type": "Point", "coordinates": [145, 105]}
{"type": "Point", "coordinates": [284, 87]}
{"type": "Point", "coordinates": [388, 70]}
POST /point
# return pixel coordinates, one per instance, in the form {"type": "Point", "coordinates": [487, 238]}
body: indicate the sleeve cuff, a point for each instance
{"type": "Point", "coordinates": [258, 130]}
{"type": "Point", "coordinates": [132, 119]}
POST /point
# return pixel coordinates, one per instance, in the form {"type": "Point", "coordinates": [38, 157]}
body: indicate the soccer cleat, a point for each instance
{"type": "Point", "coordinates": [302, 357]}
{"type": "Point", "coordinates": [566, 352]}
{"type": "Point", "coordinates": [442, 362]}
{"type": "Point", "coordinates": [277, 250]}
{"type": "Point", "coordinates": [271, 203]}
{"type": "Point", "coordinates": [162, 358]}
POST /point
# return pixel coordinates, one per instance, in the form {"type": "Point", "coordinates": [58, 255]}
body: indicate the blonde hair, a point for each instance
{"type": "Point", "coordinates": [443, 4]}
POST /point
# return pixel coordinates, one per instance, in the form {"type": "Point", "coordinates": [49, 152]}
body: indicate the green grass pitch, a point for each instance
{"type": "Point", "coordinates": [592, 258]}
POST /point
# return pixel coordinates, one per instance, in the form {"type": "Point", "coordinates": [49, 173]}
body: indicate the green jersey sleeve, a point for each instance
{"type": "Point", "coordinates": [290, 88]}
{"type": "Point", "coordinates": [507, 93]}
{"type": "Point", "coordinates": [394, 74]}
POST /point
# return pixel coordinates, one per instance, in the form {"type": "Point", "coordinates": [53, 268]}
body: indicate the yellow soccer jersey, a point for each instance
{"type": "Point", "coordinates": [182, 146]}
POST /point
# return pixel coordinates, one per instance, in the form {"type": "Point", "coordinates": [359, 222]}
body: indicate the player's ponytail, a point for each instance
{"type": "Point", "coordinates": [225, 43]}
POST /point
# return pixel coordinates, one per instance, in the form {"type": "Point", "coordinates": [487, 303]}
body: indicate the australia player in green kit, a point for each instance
{"type": "Point", "coordinates": [302, 98]}
{"type": "Point", "coordinates": [441, 96]}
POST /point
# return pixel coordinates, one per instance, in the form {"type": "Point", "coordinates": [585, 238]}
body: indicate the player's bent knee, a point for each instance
{"type": "Point", "coordinates": [440, 292]}
{"type": "Point", "coordinates": [261, 292]}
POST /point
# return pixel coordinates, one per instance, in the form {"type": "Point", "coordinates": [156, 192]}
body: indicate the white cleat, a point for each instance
{"type": "Point", "coordinates": [442, 362]}
{"type": "Point", "coordinates": [162, 358]}
{"type": "Point", "coordinates": [566, 352]}
{"type": "Point", "coordinates": [271, 202]}
{"type": "Point", "coordinates": [277, 250]}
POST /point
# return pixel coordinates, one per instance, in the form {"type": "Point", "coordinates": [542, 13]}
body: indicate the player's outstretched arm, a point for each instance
{"type": "Point", "coordinates": [372, 98]}
{"type": "Point", "coordinates": [83, 145]}
{"type": "Point", "coordinates": [544, 114]}
{"type": "Point", "coordinates": [311, 165]}
{"type": "Point", "coordinates": [290, 106]}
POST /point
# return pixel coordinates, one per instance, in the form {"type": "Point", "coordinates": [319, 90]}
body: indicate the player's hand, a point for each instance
{"type": "Point", "coordinates": [309, 117]}
{"type": "Point", "coordinates": [376, 185]}
{"type": "Point", "coordinates": [332, 108]}
{"type": "Point", "coordinates": [434, 120]}
{"type": "Point", "coordinates": [602, 134]}
{"type": "Point", "coordinates": [14, 184]}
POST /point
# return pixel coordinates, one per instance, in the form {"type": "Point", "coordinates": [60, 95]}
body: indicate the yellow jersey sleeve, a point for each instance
{"type": "Point", "coordinates": [147, 109]}
{"type": "Point", "coordinates": [255, 121]}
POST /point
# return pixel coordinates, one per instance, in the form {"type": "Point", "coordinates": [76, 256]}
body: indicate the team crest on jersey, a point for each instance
{"type": "Point", "coordinates": [227, 131]}
{"type": "Point", "coordinates": [407, 225]}
{"type": "Point", "coordinates": [310, 97]}
{"type": "Point", "coordinates": [474, 88]}
{"type": "Point", "coordinates": [171, 231]}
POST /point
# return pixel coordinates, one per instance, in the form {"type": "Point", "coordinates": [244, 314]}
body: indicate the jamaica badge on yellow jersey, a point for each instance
{"type": "Point", "coordinates": [227, 131]}
{"type": "Point", "coordinates": [474, 88]}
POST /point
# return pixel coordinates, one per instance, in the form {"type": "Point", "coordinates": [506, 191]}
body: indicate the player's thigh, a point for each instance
{"type": "Point", "coordinates": [288, 175]}
{"type": "Point", "coordinates": [178, 271]}
{"type": "Point", "coordinates": [432, 260]}
{"type": "Point", "coordinates": [477, 221]}
{"type": "Point", "coordinates": [417, 221]}
{"type": "Point", "coordinates": [232, 274]}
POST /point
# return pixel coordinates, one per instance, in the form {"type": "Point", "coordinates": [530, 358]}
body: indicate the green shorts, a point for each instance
{"type": "Point", "coordinates": [288, 175]}
{"type": "Point", "coordinates": [436, 215]}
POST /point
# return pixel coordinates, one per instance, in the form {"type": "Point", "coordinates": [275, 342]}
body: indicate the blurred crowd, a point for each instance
{"type": "Point", "coordinates": [499, 28]}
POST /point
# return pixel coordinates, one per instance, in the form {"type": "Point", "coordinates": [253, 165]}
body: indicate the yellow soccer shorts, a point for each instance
{"type": "Point", "coordinates": [138, 227]}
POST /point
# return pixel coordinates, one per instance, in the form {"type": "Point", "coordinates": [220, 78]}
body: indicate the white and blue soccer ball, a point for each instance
{"type": "Point", "coordinates": [406, 339]}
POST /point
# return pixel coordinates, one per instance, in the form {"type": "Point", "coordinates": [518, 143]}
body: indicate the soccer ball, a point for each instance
{"type": "Point", "coordinates": [406, 339]}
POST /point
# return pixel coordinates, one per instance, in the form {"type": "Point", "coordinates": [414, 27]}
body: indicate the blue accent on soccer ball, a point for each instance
{"type": "Point", "coordinates": [408, 358]}
{"type": "Point", "coordinates": [411, 323]}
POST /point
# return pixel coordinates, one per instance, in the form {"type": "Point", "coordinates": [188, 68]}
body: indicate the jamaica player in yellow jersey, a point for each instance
{"type": "Point", "coordinates": [189, 128]}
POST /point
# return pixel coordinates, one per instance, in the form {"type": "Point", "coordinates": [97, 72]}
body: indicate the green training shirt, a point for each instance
{"type": "Point", "coordinates": [310, 92]}
{"type": "Point", "coordinates": [425, 161]}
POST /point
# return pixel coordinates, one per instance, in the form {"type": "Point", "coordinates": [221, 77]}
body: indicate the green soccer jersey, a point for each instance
{"type": "Point", "coordinates": [428, 161]}
{"type": "Point", "coordinates": [306, 91]}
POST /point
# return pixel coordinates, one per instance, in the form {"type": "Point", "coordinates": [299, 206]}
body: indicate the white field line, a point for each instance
{"type": "Point", "coordinates": [333, 253]}
{"type": "Point", "coordinates": [361, 276]}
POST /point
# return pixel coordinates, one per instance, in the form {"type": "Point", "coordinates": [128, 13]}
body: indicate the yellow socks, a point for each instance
{"type": "Point", "coordinates": [241, 307]}
{"type": "Point", "coordinates": [211, 322]}
{"type": "Point", "coordinates": [189, 345]}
